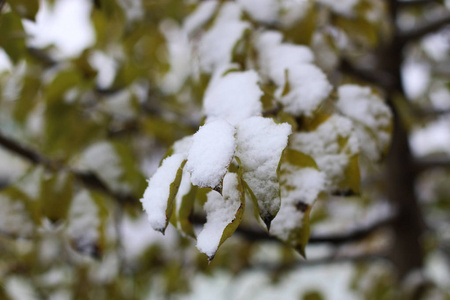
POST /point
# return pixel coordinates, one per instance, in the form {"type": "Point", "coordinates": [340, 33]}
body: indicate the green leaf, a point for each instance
{"type": "Point", "coordinates": [25, 8]}
{"type": "Point", "coordinates": [12, 37]}
{"type": "Point", "coordinates": [185, 200]}
{"type": "Point", "coordinates": [56, 195]}
{"type": "Point", "coordinates": [301, 183]}
{"type": "Point", "coordinates": [352, 177]}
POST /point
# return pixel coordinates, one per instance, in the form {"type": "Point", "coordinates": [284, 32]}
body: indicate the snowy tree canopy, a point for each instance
{"type": "Point", "coordinates": [272, 120]}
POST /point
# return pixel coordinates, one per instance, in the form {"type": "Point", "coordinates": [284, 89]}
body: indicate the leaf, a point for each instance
{"type": "Point", "coordinates": [300, 185]}
{"type": "Point", "coordinates": [223, 213]}
{"type": "Point", "coordinates": [25, 8]}
{"type": "Point", "coordinates": [184, 200]}
{"type": "Point", "coordinates": [211, 153]}
{"type": "Point", "coordinates": [372, 118]}
{"type": "Point", "coordinates": [260, 144]}
{"type": "Point", "coordinates": [56, 195]}
{"type": "Point", "coordinates": [161, 191]}
{"type": "Point", "coordinates": [352, 177]}
{"type": "Point", "coordinates": [12, 37]}
{"type": "Point", "coordinates": [87, 223]}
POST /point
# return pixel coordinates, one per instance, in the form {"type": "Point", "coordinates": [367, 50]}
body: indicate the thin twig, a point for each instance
{"type": "Point", "coordinates": [424, 29]}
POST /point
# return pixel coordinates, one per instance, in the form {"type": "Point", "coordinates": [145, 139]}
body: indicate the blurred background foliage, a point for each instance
{"type": "Point", "coordinates": [81, 131]}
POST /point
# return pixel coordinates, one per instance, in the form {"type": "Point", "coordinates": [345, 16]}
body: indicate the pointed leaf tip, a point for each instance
{"type": "Point", "coordinates": [301, 250]}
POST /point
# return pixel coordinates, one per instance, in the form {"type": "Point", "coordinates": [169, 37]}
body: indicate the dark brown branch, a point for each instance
{"type": "Point", "coordinates": [25, 152]}
{"type": "Point", "coordinates": [376, 77]}
{"type": "Point", "coordinates": [423, 164]}
{"type": "Point", "coordinates": [277, 266]}
{"type": "Point", "coordinates": [87, 178]}
{"type": "Point", "coordinates": [258, 234]}
{"type": "Point", "coordinates": [422, 30]}
{"type": "Point", "coordinates": [408, 3]}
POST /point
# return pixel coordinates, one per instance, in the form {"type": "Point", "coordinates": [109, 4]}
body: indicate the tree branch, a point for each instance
{"type": "Point", "coordinates": [252, 234]}
{"type": "Point", "coordinates": [424, 29]}
{"type": "Point", "coordinates": [376, 77]}
{"type": "Point", "coordinates": [423, 164]}
{"type": "Point", "coordinates": [333, 259]}
{"type": "Point", "coordinates": [87, 178]}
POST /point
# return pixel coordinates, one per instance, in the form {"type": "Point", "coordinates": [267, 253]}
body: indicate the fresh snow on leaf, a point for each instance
{"type": "Point", "coordinates": [160, 191]}
{"type": "Point", "coordinates": [264, 11]}
{"type": "Point", "coordinates": [369, 110]}
{"type": "Point", "coordinates": [275, 57]}
{"type": "Point", "coordinates": [343, 7]}
{"type": "Point", "coordinates": [260, 144]}
{"type": "Point", "coordinates": [183, 145]}
{"type": "Point", "coordinates": [331, 145]}
{"type": "Point", "coordinates": [309, 87]}
{"type": "Point", "coordinates": [299, 187]}
{"type": "Point", "coordinates": [233, 97]}
{"type": "Point", "coordinates": [217, 44]}
{"type": "Point", "coordinates": [84, 220]}
{"type": "Point", "coordinates": [14, 218]}
{"type": "Point", "coordinates": [211, 153]}
{"type": "Point", "coordinates": [223, 215]}
{"type": "Point", "coordinates": [200, 16]}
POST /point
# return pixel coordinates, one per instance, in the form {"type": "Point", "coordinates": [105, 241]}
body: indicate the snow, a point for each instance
{"type": "Point", "coordinates": [437, 45]}
{"type": "Point", "coordinates": [183, 190]}
{"type": "Point", "coordinates": [432, 138]}
{"type": "Point", "coordinates": [291, 11]}
{"type": "Point", "coordinates": [260, 144]}
{"type": "Point", "coordinates": [211, 153]}
{"type": "Point", "coordinates": [84, 219]}
{"type": "Point", "coordinates": [308, 88]}
{"type": "Point", "coordinates": [323, 144]}
{"type": "Point", "coordinates": [364, 107]}
{"type": "Point", "coordinates": [158, 191]}
{"type": "Point", "coordinates": [199, 17]}
{"type": "Point", "coordinates": [183, 145]}
{"type": "Point", "coordinates": [343, 7]}
{"type": "Point", "coordinates": [264, 11]}
{"type": "Point", "coordinates": [216, 46]}
{"type": "Point", "coordinates": [233, 97]}
{"type": "Point", "coordinates": [179, 51]}
{"type": "Point", "coordinates": [103, 159]}
{"type": "Point", "coordinates": [296, 185]}
{"type": "Point", "coordinates": [220, 211]}
{"type": "Point", "coordinates": [67, 26]}
{"type": "Point", "coordinates": [106, 67]}
{"type": "Point", "coordinates": [416, 77]}
{"type": "Point", "coordinates": [275, 57]}
{"type": "Point", "coordinates": [14, 218]}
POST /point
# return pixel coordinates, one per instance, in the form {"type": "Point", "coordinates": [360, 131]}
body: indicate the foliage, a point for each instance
{"type": "Point", "coordinates": [257, 130]}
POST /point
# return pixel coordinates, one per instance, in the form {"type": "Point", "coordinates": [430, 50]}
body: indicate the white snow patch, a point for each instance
{"type": "Point", "coordinates": [233, 97]}
{"type": "Point", "coordinates": [343, 7]}
{"type": "Point", "coordinates": [323, 145]}
{"type": "Point", "coordinates": [211, 153]}
{"type": "Point", "coordinates": [361, 105]}
{"type": "Point", "coordinates": [416, 77]}
{"type": "Point", "coordinates": [220, 211]}
{"type": "Point", "coordinates": [157, 193]}
{"type": "Point", "coordinates": [308, 88]}
{"type": "Point", "coordinates": [260, 144]}
{"type": "Point", "coordinates": [264, 11]}
{"type": "Point", "coordinates": [84, 220]}
{"type": "Point", "coordinates": [67, 26]}
{"type": "Point", "coordinates": [200, 16]}
{"type": "Point", "coordinates": [431, 139]}
{"type": "Point", "coordinates": [216, 46]}
{"type": "Point", "coordinates": [296, 185]}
